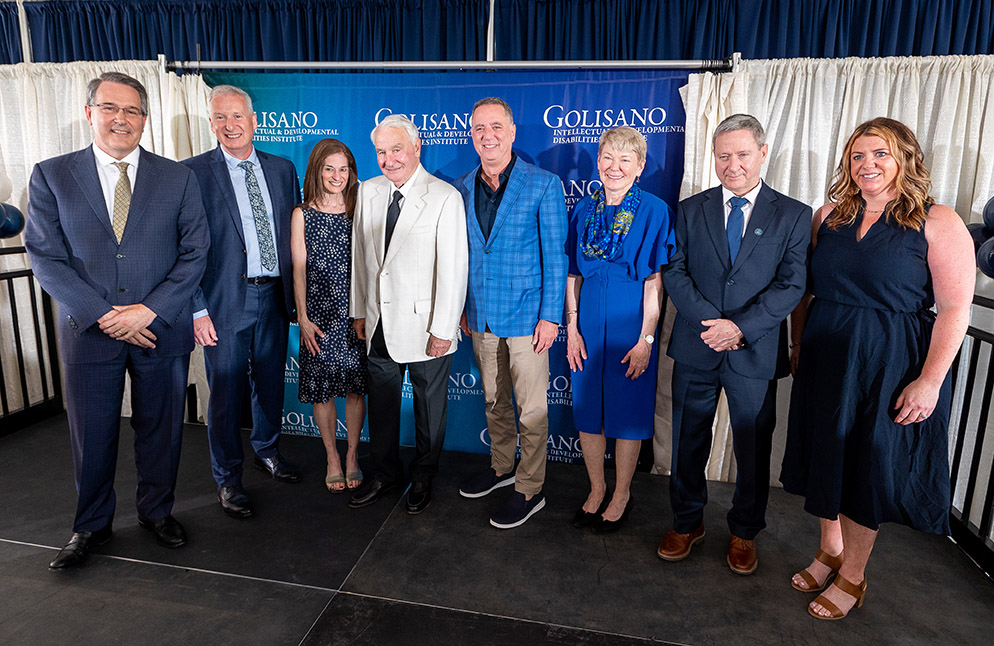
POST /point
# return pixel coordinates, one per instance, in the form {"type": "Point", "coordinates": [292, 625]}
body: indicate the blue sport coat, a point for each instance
{"type": "Point", "coordinates": [222, 290]}
{"type": "Point", "coordinates": [756, 293]}
{"type": "Point", "coordinates": [77, 259]}
{"type": "Point", "coordinates": [518, 275]}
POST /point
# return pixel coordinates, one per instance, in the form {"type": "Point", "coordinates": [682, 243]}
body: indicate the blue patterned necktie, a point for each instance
{"type": "Point", "coordinates": [734, 227]}
{"type": "Point", "coordinates": [263, 231]}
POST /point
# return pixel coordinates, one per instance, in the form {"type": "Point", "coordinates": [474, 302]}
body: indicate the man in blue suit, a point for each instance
{"type": "Point", "coordinates": [516, 221]}
{"type": "Point", "coordinates": [118, 237]}
{"type": "Point", "coordinates": [738, 271]}
{"type": "Point", "coordinates": [242, 312]}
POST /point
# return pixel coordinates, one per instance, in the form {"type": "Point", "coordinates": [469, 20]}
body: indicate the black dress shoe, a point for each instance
{"type": "Point", "coordinates": [602, 526]}
{"type": "Point", "coordinates": [419, 497]}
{"type": "Point", "coordinates": [79, 547]}
{"type": "Point", "coordinates": [277, 467]}
{"type": "Point", "coordinates": [234, 501]}
{"type": "Point", "coordinates": [168, 532]}
{"type": "Point", "coordinates": [371, 493]}
{"type": "Point", "coordinates": [583, 518]}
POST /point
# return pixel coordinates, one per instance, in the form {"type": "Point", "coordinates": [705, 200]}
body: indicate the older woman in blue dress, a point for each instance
{"type": "Point", "coordinates": [619, 237]}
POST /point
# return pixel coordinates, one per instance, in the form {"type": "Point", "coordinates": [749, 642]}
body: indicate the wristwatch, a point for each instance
{"type": "Point", "coordinates": [648, 338]}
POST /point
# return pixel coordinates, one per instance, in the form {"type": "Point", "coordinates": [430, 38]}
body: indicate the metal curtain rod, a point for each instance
{"type": "Point", "coordinates": [718, 65]}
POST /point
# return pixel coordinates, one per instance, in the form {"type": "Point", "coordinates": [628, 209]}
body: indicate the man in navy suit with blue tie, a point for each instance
{"type": "Point", "coordinates": [738, 271]}
{"type": "Point", "coordinates": [118, 237]}
{"type": "Point", "coordinates": [242, 312]}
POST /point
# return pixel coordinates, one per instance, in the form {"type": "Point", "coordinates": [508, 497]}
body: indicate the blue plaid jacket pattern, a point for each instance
{"type": "Point", "coordinates": [518, 275]}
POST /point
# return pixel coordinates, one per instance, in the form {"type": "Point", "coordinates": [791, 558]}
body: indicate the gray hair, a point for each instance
{"type": "Point", "coordinates": [397, 121]}
{"type": "Point", "coordinates": [226, 90]}
{"type": "Point", "coordinates": [123, 79]}
{"type": "Point", "coordinates": [494, 100]}
{"type": "Point", "coordinates": [741, 122]}
{"type": "Point", "coordinates": [623, 139]}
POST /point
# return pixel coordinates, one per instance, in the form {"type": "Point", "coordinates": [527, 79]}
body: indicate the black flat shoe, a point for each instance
{"type": "Point", "coordinates": [278, 468]}
{"type": "Point", "coordinates": [168, 531]}
{"type": "Point", "coordinates": [583, 518]}
{"type": "Point", "coordinates": [602, 526]}
{"type": "Point", "coordinates": [78, 548]}
{"type": "Point", "coordinates": [234, 501]}
{"type": "Point", "coordinates": [418, 498]}
{"type": "Point", "coordinates": [371, 493]}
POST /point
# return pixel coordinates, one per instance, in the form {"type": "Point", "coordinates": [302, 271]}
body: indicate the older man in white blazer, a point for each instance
{"type": "Point", "coordinates": [409, 276]}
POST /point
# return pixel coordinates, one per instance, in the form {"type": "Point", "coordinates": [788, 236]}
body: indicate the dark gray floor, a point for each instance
{"type": "Point", "coordinates": [308, 570]}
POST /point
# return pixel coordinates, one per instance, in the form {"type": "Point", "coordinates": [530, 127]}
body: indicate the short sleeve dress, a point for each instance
{"type": "Point", "coordinates": [610, 321]}
{"type": "Point", "coordinates": [340, 367]}
{"type": "Point", "coordinates": [865, 339]}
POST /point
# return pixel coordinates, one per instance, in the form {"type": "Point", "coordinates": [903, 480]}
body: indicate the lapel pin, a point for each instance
{"type": "Point", "coordinates": [757, 231]}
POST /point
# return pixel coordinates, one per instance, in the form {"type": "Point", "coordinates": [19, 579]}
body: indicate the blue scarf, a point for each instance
{"type": "Point", "coordinates": [600, 240]}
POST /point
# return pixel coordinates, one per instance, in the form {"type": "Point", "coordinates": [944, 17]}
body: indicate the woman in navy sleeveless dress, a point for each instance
{"type": "Point", "coordinates": [617, 241]}
{"type": "Point", "coordinates": [332, 359]}
{"type": "Point", "coordinates": [867, 431]}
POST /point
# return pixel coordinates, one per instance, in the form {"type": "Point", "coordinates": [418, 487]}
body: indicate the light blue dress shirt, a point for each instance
{"type": "Point", "coordinates": [254, 258]}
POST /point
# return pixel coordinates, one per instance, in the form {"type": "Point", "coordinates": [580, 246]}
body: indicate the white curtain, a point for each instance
{"type": "Point", "coordinates": [41, 116]}
{"type": "Point", "coordinates": [809, 107]}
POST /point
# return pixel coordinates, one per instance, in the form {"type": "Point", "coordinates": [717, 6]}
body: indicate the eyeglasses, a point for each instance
{"type": "Point", "coordinates": [111, 110]}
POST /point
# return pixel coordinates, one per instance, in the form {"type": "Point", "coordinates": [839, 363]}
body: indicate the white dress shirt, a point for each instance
{"type": "Point", "coordinates": [727, 195]}
{"type": "Point", "coordinates": [109, 175]}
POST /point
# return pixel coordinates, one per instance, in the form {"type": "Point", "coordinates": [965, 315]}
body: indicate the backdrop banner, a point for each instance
{"type": "Point", "coordinates": [559, 116]}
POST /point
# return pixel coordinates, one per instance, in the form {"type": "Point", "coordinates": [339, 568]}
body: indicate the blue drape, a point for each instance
{"type": "Point", "coordinates": [10, 34]}
{"type": "Point", "coordinates": [268, 30]}
{"type": "Point", "coordinates": [414, 30]}
{"type": "Point", "coordinates": [708, 29]}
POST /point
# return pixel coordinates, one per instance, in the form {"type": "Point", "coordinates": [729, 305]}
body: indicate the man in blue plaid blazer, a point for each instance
{"type": "Point", "coordinates": [516, 222]}
{"type": "Point", "coordinates": [118, 237]}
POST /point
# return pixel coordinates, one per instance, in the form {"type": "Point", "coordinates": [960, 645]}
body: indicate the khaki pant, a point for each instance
{"type": "Point", "coordinates": [508, 363]}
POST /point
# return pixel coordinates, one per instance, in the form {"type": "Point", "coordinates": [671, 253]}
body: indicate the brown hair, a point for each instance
{"type": "Point", "coordinates": [908, 209]}
{"type": "Point", "coordinates": [313, 188]}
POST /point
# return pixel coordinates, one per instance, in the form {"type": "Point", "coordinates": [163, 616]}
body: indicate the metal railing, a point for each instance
{"type": "Point", "coordinates": [30, 382]}
{"type": "Point", "coordinates": [972, 468]}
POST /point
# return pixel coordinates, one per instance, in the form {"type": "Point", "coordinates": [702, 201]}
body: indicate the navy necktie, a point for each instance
{"type": "Point", "coordinates": [734, 227]}
{"type": "Point", "coordinates": [393, 212]}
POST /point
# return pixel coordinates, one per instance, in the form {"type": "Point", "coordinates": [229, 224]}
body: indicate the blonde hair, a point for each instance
{"type": "Point", "coordinates": [913, 184]}
{"type": "Point", "coordinates": [623, 139]}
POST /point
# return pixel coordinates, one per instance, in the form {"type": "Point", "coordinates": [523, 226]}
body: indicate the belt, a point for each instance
{"type": "Point", "coordinates": [260, 280]}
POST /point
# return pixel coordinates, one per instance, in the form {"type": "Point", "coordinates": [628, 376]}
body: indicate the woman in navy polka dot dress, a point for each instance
{"type": "Point", "coordinates": [332, 359]}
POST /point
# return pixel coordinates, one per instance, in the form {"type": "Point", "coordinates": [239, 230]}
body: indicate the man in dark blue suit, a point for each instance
{"type": "Point", "coordinates": [118, 237]}
{"type": "Point", "coordinates": [242, 312]}
{"type": "Point", "coordinates": [738, 271]}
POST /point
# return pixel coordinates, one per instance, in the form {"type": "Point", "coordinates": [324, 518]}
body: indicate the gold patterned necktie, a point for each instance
{"type": "Point", "coordinates": [122, 200]}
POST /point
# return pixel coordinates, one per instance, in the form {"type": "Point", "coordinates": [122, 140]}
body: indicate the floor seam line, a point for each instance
{"type": "Point", "coordinates": [190, 568]}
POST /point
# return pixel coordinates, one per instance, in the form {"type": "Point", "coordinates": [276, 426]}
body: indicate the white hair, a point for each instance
{"type": "Point", "coordinates": [397, 121]}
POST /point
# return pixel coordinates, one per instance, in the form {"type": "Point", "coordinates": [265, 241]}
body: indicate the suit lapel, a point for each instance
{"type": "Point", "coordinates": [84, 170]}
{"type": "Point", "coordinates": [376, 220]}
{"type": "Point", "coordinates": [410, 213]}
{"type": "Point", "coordinates": [219, 168]}
{"type": "Point", "coordinates": [271, 182]}
{"type": "Point", "coordinates": [714, 220]}
{"type": "Point", "coordinates": [763, 213]}
{"type": "Point", "coordinates": [515, 184]}
{"type": "Point", "coordinates": [473, 222]}
{"type": "Point", "coordinates": [141, 194]}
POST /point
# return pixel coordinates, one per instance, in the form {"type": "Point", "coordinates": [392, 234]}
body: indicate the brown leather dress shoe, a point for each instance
{"type": "Point", "coordinates": [676, 546]}
{"type": "Point", "coordinates": [742, 555]}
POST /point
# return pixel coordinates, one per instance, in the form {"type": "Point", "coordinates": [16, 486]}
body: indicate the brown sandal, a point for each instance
{"type": "Point", "coordinates": [855, 591]}
{"type": "Point", "coordinates": [833, 562]}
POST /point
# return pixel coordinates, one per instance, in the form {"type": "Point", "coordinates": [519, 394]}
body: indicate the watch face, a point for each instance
{"type": "Point", "coordinates": [649, 338]}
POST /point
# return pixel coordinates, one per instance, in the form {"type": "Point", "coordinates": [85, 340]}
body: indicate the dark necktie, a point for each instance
{"type": "Point", "coordinates": [267, 252]}
{"type": "Point", "coordinates": [393, 212]}
{"type": "Point", "coordinates": [734, 227]}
